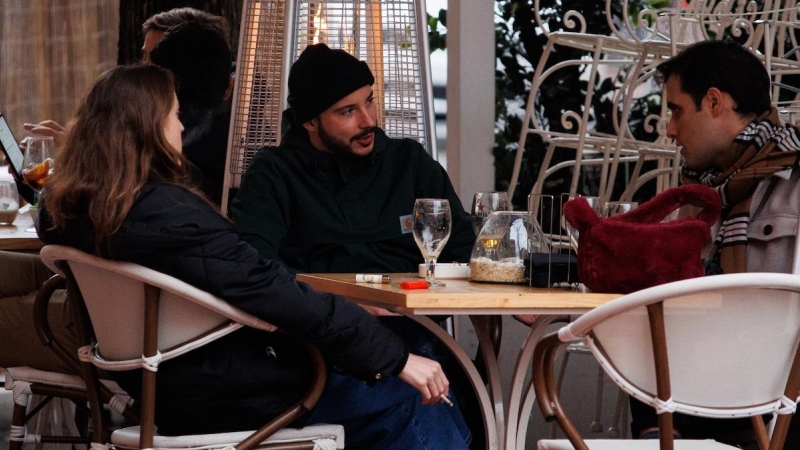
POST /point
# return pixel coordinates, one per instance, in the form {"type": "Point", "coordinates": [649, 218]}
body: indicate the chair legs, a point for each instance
{"type": "Point", "coordinates": [618, 427]}
{"type": "Point", "coordinates": [619, 424]}
{"type": "Point", "coordinates": [41, 408]}
{"type": "Point", "coordinates": [45, 420]}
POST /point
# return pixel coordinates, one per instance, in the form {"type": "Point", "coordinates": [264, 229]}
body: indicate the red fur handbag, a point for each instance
{"type": "Point", "coordinates": [636, 250]}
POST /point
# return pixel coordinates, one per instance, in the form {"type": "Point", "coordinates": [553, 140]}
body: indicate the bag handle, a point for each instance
{"type": "Point", "coordinates": [578, 212]}
{"type": "Point", "coordinates": [663, 204]}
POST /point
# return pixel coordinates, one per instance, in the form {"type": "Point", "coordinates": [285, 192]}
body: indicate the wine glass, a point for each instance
{"type": "Point", "coordinates": [37, 164]}
{"type": "Point", "coordinates": [614, 208]}
{"type": "Point", "coordinates": [485, 203]}
{"type": "Point", "coordinates": [431, 229]}
{"type": "Point", "coordinates": [9, 202]}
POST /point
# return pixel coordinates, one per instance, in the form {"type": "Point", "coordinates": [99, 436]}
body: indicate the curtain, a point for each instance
{"type": "Point", "coordinates": [50, 54]}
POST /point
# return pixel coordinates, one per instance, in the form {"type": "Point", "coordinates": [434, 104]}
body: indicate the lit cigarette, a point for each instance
{"type": "Point", "coordinates": [373, 278]}
{"type": "Point", "coordinates": [443, 398]}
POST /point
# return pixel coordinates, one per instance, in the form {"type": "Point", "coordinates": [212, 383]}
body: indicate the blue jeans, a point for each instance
{"type": "Point", "coordinates": [388, 416]}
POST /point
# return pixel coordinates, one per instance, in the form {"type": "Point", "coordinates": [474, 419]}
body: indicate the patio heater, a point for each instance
{"type": "Point", "coordinates": [390, 35]}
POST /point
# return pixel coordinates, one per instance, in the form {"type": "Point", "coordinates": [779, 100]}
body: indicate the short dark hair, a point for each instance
{"type": "Point", "coordinates": [200, 60]}
{"type": "Point", "coordinates": [724, 65]}
{"type": "Point", "coordinates": [163, 21]}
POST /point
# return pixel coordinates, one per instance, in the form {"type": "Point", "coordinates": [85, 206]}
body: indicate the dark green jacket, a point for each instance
{"type": "Point", "coordinates": [319, 212]}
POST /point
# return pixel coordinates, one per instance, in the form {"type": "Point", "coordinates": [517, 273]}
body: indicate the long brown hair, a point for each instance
{"type": "Point", "coordinates": [113, 146]}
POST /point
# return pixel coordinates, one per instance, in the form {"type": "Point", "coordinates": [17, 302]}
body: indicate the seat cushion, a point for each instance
{"type": "Point", "coordinates": [639, 444]}
{"type": "Point", "coordinates": [128, 438]}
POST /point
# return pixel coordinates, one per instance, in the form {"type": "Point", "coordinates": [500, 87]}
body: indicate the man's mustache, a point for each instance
{"type": "Point", "coordinates": [363, 134]}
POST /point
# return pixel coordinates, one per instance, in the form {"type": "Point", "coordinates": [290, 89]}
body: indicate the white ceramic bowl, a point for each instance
{"type": "Point", "coordinates": [447, 270]}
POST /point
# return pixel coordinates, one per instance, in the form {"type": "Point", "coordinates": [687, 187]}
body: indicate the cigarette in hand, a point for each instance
{"type": "Point", "coordinates": [443, 398]}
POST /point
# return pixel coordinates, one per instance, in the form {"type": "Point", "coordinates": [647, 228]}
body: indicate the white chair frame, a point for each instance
{"type": "Point", "coordinates": [661, 379]}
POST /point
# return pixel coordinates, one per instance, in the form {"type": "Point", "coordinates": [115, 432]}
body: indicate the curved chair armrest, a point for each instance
{"type": "Point", "coordinates": [305, 404]}
{"type": "Point", "coordinates": [546, 387]}
{"type": "Point", "coordinates": [58, 257]}
{"type": "Point", "coordinates": [42, 322]}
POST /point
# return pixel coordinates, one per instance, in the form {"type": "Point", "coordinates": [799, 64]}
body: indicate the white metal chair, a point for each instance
{"type": "Point", "coordinates": [131, 317]}
{"type": "Point", "coordinates": [638, 42]}
{"type": "Point", "coordinates": [723, 346]}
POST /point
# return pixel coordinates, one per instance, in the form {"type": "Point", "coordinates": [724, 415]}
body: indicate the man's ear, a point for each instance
{"type": "Point", "coordinates": [229, 90]}
{"type": "Point", "coordinates": [311, 125]}
{"type": "Point", "coordinates": [715, 99]}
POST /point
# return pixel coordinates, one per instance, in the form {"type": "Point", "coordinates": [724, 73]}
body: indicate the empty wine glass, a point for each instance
{"type": "Point", "coordinates": [597, 204]}
{"type": "Point", "coordinates": [485, 203]}
{"type": "Point", "coordinates": [432, 224]}
{"type": "Point", "coordinates": [614, 208]}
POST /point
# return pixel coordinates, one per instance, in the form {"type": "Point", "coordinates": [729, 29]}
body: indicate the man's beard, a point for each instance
{"type": "Point", "coordinates": [338, 146]}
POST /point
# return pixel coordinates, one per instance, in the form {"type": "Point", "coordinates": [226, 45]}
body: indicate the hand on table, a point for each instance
{"type": "Point", "coordinates": [426, 376]}
{"type": "Point", "coordinates": [527, 319]}
{"type": "Point", "coordinates": [378, 312]}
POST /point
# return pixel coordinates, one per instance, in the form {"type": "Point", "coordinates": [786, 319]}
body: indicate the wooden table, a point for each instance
{"type": "Point", "coordinates": [506, 422]}
{"type": "Point", "coordinates": [15, 236]}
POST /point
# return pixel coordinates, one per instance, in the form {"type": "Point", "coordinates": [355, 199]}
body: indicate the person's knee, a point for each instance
{"type": "Point", "coordinates": [430, 426]}
{"type": "Point", "coordinates": [22, 346]}
{"type": "Point", "coordinates": [21, 273]}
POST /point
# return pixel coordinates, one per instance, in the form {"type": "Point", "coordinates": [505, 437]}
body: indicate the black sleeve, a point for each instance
{"type": "Point", "coordinates": [260, 208]}
{"type": "Point", "coordinates": [26, 192]}
{"type": "Point", "coordinates": [192, 242]}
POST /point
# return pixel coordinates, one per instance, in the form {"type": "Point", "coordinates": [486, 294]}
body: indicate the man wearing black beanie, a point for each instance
{"type": "Point", "coordinates": [334, 196]}
{"type": "Point", "coordinates": [337, 196]}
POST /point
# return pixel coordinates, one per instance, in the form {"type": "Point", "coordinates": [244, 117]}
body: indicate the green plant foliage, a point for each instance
{"type": "Point", "coordinates": [436, 34]}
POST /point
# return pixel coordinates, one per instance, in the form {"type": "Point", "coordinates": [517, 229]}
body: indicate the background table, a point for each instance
{"type": "Point", "coordinates": [14, 237]}
{"type": "Point", "coordinates": [505, 421]}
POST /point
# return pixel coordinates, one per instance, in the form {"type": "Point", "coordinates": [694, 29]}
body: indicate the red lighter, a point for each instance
{"type": "Point", "coordinates": [415, 284]}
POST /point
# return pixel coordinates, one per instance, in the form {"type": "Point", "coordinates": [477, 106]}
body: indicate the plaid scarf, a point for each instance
{"type": "Point", "coordinates": [766, 146]}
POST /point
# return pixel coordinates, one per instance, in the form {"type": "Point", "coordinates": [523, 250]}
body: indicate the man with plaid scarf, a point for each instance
{"type": "Point", "coordinates": [732, 140]}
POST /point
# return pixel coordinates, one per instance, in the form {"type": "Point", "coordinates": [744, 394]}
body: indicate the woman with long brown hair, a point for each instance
{"type": "Point", "coordinates": [119, 191]}
{"type": "Point", "coordinates": [114, 146]}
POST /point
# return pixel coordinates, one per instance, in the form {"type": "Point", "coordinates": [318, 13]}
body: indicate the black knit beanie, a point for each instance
{"type": "Point", "coordinates": [321, 77]}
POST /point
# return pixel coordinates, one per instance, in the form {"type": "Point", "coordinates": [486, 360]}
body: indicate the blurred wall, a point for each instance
{"type": "Point", "coordinates": [50, 53]}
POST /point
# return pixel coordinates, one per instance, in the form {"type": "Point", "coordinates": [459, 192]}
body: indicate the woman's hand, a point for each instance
{"type": "Point", "coordinates": [426, 376]}
{"type": "Point", "coordinates": [45, 128]}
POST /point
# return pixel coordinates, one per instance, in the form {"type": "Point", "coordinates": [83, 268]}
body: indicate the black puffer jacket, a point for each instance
{"type": "Point", "coordinates": [235, 383]}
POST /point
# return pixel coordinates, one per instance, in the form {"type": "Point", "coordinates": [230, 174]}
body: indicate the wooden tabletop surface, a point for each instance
{"type": "Point", "coordinates": [15, 236]}
{"type": "Point", "coordinates": [459, 295]}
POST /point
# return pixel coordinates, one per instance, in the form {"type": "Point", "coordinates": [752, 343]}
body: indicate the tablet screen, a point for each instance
{"type": "Point", "coordinates": [10, 146]}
